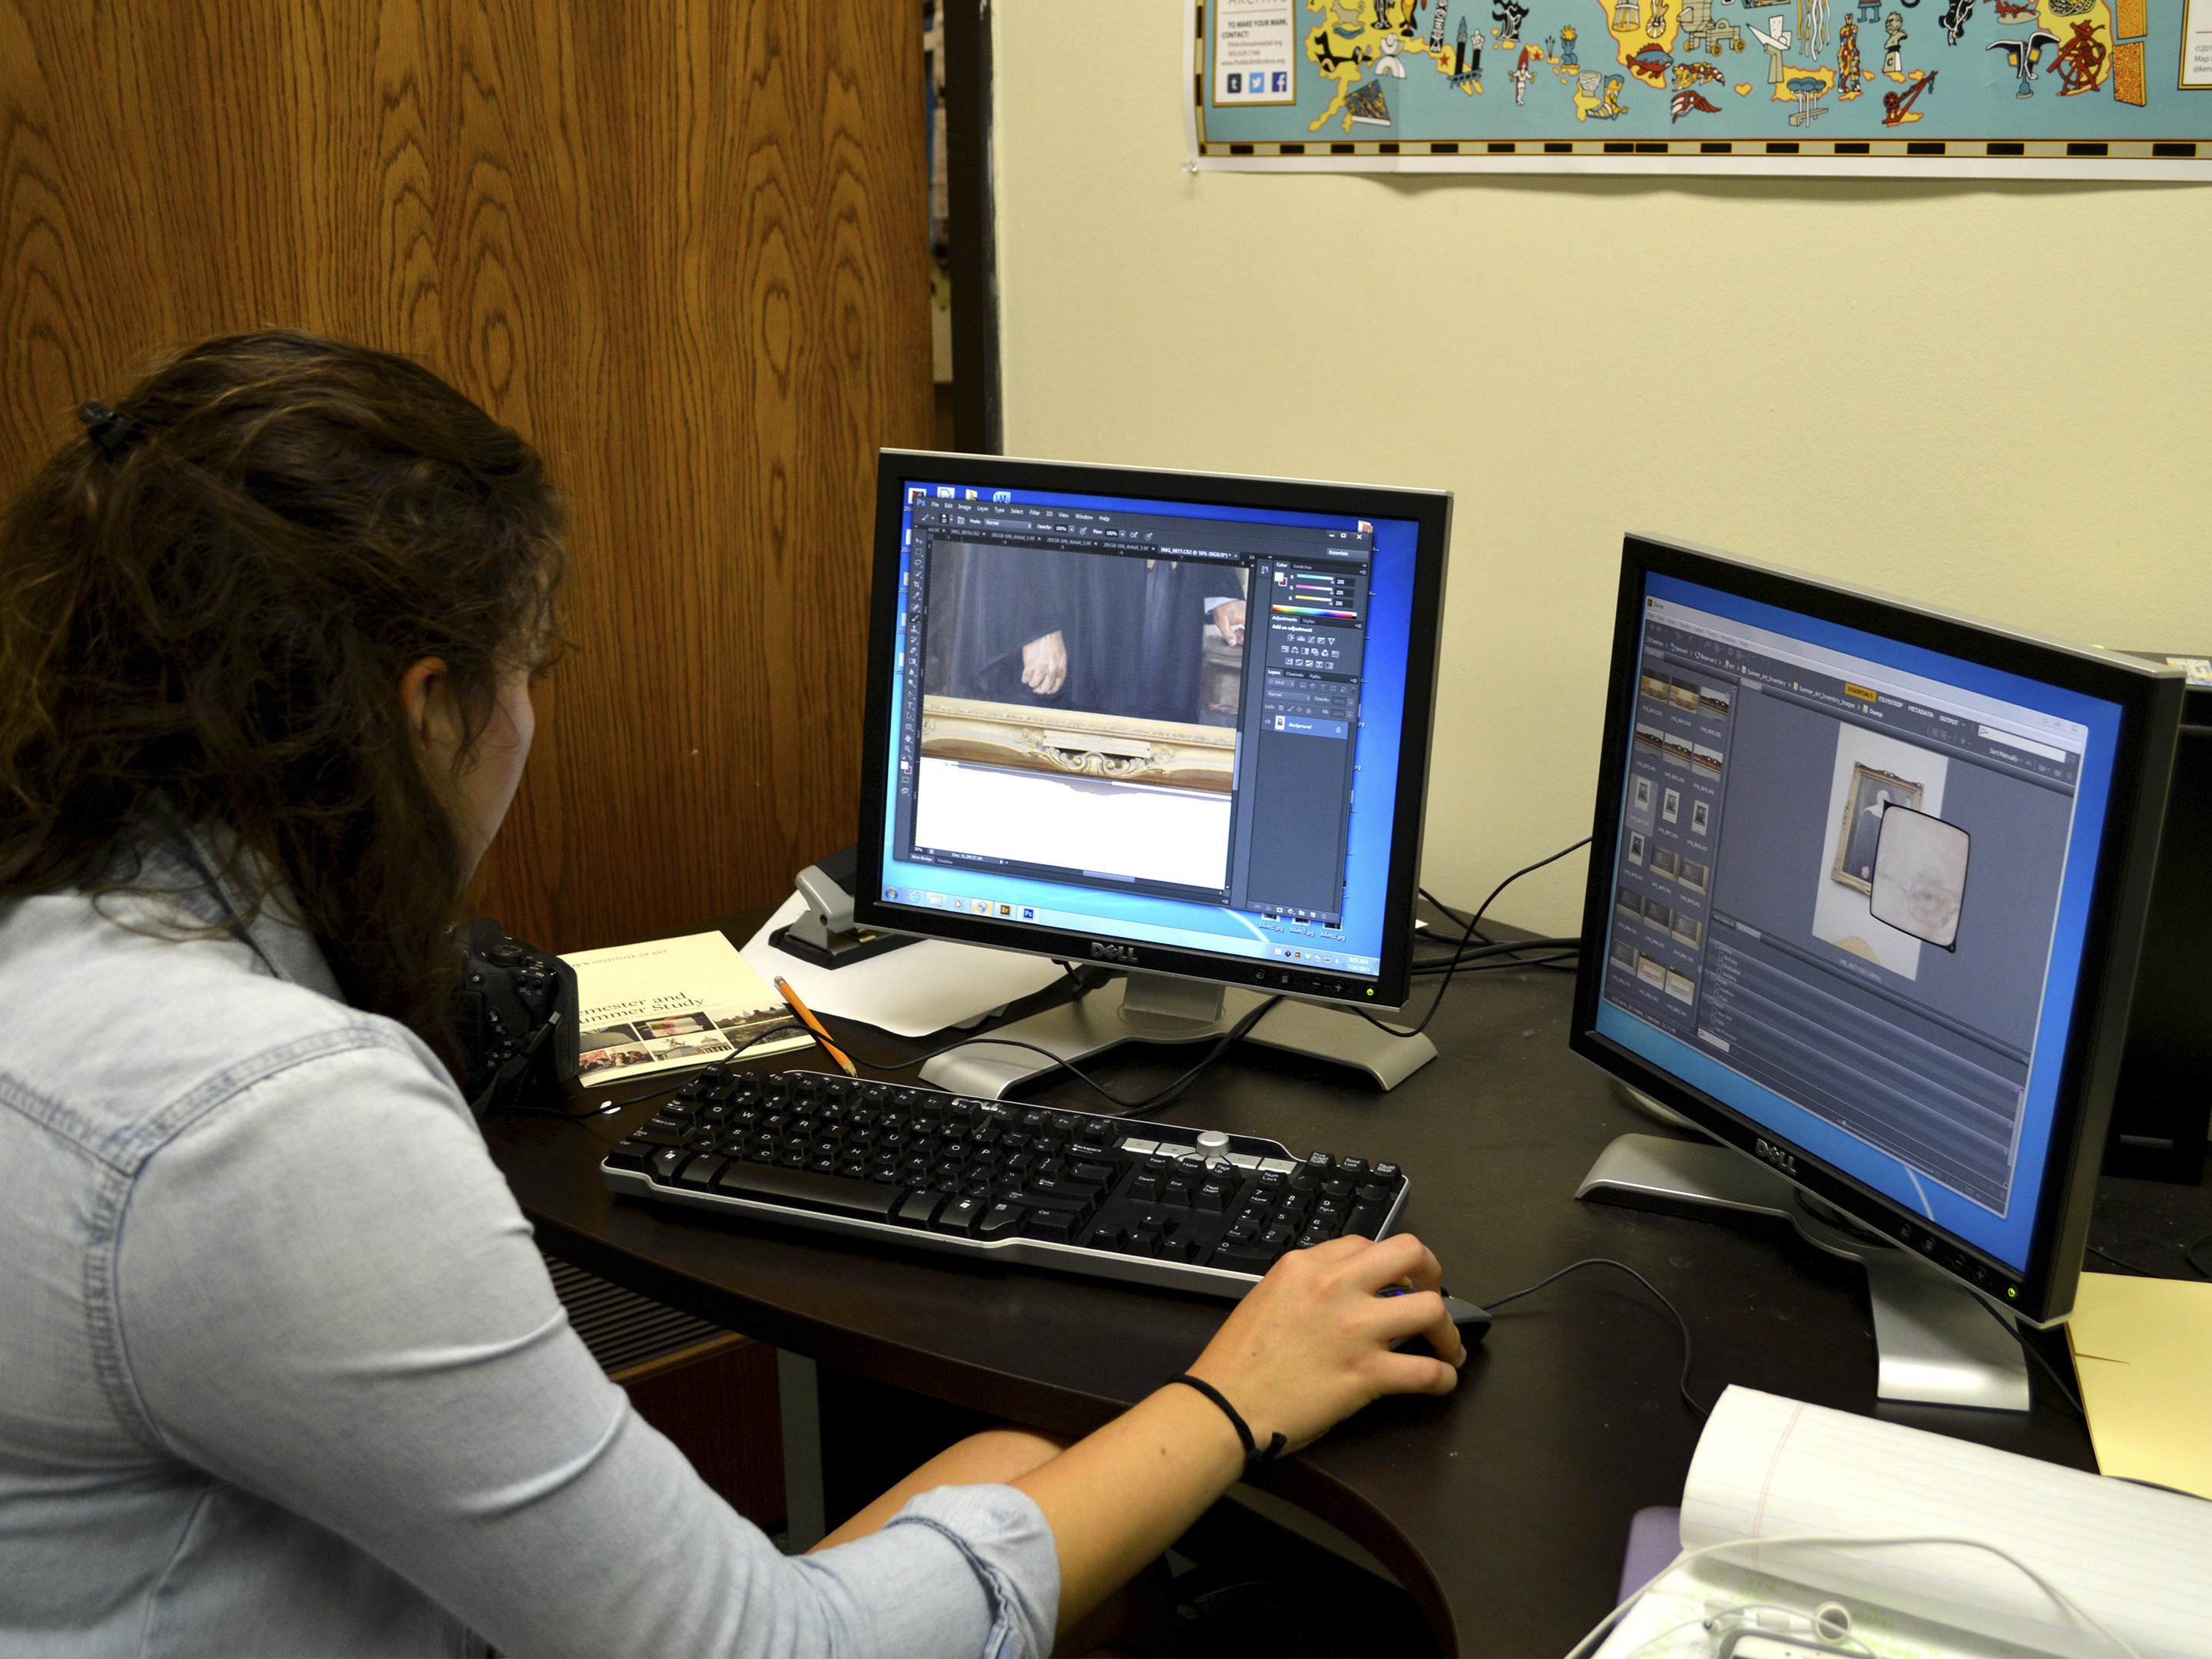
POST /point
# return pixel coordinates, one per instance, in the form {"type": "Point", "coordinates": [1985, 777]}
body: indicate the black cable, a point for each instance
{"type": "Point", "coordinates": [1555, 964]}
{"type": "Point", "coordinates": [2036, 1354]}
{"type": "Point", "coordinates": [1505, 955]}
{"type": "Point", "coordinates": [1467, 939]}
{"type": "Point", "coordinates": [1085, 978]}
{"type": "Point", "coordinates": [1509, 949]}
{"type": "Point", "coordinates": [1502, 948]}
{"type": "Point", "coordinates": [786, 1027]}
{"type": "Point", "coordinates": [1173, 1091]}
{"type": "Point", "coordinates": [2187, 1252]}
{"type": "Point", "coordinates": [1483, 940]}
{"type": "Point", "coordinates": [2140, 1272]}
{"type": "Point", "coordinates": [1683, 1384]}
{"type": "Point", "coordinates": [1451, 914]}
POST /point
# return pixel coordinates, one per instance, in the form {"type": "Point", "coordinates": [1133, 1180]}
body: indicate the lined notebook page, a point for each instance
{"type": "Point", "coordinates": [2140, 1561]}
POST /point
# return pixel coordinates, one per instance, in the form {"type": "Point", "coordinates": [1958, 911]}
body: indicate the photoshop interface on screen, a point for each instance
{"type": "Point", "coordinates": [1134, 701]}
{"type": "Point", "coordinates": [1842, 883]}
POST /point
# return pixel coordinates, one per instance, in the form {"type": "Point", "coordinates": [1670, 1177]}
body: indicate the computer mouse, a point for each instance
{"type": "Point", "coordinates": [1472, 1322]}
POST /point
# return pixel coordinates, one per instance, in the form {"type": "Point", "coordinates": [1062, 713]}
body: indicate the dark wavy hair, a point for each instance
{"type": "Point", "coordinates": [206, 607]}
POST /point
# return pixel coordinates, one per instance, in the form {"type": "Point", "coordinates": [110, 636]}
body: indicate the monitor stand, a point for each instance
{"type": "Point", "coordinates": [1935, 1346]}
{"type": "Point", "coordinates": [1158, 1008]}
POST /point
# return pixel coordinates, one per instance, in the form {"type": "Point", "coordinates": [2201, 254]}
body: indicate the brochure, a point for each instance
{"type": "Point", "coordinates": [665, 1004]}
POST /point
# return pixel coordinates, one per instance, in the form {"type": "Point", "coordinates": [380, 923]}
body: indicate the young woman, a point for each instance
{"type": "Point", "coordinates": [284, 1372]}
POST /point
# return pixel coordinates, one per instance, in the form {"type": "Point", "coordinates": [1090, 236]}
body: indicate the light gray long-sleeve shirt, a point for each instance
{"type": "Point", "coordinates": [282, 1372]}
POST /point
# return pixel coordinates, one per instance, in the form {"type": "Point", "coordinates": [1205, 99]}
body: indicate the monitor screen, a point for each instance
{"type": "Point", "coordinates": [1850, 887]}
{"type": "Point", "coordinates": [1181, 718]}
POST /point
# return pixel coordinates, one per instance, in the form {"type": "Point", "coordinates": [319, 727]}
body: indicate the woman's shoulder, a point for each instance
{"type": "Point", "coordinates": [118, 1029]}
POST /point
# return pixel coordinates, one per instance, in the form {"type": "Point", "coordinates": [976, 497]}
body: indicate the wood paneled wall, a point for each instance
{"type": "Point", "coordinates": [680, 245]}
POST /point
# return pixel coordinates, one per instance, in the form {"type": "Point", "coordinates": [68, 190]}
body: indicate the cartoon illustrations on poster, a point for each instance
{"type": "Point", "coordinates": [1407, 74]}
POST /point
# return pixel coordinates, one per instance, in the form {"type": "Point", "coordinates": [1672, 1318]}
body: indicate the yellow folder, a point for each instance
{"type": "Point", "coordinates": [2142, 1348]}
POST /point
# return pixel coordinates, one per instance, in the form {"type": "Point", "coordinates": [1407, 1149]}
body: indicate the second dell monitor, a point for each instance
{"type": "Point", "coordinates": [1173, 721]}
{"type": "Point", "coordinates": [1868, 888]}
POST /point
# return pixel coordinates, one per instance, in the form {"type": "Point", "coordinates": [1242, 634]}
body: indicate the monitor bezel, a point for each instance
{"type": "Point", "coordinates": [2149, 700]}
{"type": "Point", "coordinates": [1429, 510]}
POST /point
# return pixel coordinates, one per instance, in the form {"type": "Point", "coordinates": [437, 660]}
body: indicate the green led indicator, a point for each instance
{"type": "Point", "coordinates": [1370, 990]}
{"type": "Point", "coordinates": [2011, 1290]}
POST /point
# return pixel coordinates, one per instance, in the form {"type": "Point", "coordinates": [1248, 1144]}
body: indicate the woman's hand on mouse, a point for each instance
{"type": "Point", "coordinates": [1307, 1346]}
{"type": "Point", "coordinates": [1310, 1344]}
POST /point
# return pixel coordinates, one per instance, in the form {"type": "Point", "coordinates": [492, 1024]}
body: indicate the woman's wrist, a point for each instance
{"type": "Point", "coordinates": [1191, 1427]}
{"type": "Point", "coordinates": [1256, 1450]}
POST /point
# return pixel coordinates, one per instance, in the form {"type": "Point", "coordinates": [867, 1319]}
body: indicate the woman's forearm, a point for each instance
{"type": "Point", "coordinates": [1117, 1497]}
{"type": "Point", "coordinates": [1309, 1346]}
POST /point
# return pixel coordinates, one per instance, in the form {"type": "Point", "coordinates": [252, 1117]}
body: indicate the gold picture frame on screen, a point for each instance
{"type": "Point", "coordinates": [1856, 838]}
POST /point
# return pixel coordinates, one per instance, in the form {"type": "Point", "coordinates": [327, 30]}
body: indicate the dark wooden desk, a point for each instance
{"type": "Point", "coordinates": [1503, 1510]}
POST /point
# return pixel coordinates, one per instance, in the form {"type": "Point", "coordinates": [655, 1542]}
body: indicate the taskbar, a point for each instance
{"type": "Point", "coordinates": [1313, 955]}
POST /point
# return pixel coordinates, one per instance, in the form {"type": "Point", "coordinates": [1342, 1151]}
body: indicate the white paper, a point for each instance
{"type": "Point", "coordinates": [1173, 836]}
{"type": "Point", "coordinates": [1254, 52]}
{"type": "Point", "coordinates": [2139, 1561]}
{"type": "Point", "coordinates": [910, 992]}
{"type": "Point", "coordinates": [2196, 46]}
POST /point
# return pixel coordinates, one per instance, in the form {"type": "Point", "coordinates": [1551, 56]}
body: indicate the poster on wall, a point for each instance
{"type": "Point", "coordinates": [2075, 89]}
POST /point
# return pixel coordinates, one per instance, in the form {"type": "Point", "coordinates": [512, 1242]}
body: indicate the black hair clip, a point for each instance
{"type": "Point", "coordinates": [111, 431]}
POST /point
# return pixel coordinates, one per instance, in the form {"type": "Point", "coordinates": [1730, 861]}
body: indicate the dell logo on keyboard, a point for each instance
{"type": "Point", "coordinates": [1114, 953]}
{"type": "Point", "coordinates": [1774, 1155]}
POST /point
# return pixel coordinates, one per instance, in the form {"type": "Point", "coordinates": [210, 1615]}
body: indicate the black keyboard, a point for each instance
{"type": "Point", "coordinates": [1111, 1198]}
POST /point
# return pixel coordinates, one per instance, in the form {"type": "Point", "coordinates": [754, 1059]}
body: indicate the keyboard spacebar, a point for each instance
{"type": "Point", "coordinates": [806, 1190]}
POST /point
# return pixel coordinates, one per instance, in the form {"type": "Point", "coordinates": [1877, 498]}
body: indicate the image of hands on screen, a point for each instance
{"type": "Point", "coordinates": [1111, 635]}
{"type": "Point", "coordinates": [1104, 692]}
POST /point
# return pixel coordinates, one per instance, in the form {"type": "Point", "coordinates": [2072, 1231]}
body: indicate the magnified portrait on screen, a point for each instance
{"type": "Point", "coordinates": [1920, 875]}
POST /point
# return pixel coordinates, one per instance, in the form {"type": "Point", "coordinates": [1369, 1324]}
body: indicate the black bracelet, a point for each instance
{"type": "Point", "coordinates": [1252, 1453]}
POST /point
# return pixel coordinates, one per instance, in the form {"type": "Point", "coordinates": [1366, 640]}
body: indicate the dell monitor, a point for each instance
{"type": "Point", "coordinates": [1866, 890]}
{"type": "Point", "coordinates": [1171, 723]}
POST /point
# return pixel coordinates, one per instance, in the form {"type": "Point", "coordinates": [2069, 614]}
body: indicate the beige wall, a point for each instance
{"type": "Point", "coordinates": [1992, 397]}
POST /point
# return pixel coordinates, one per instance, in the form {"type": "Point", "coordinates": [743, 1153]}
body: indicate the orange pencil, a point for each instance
{"type": "Point", "coordinates": [813, 1024]}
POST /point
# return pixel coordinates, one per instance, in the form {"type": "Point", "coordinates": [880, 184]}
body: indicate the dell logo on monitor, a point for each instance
{"type": "Point", "coordinates": [1113, 953]}
{"type": "Point", "coordinates": [1774, 1155]}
